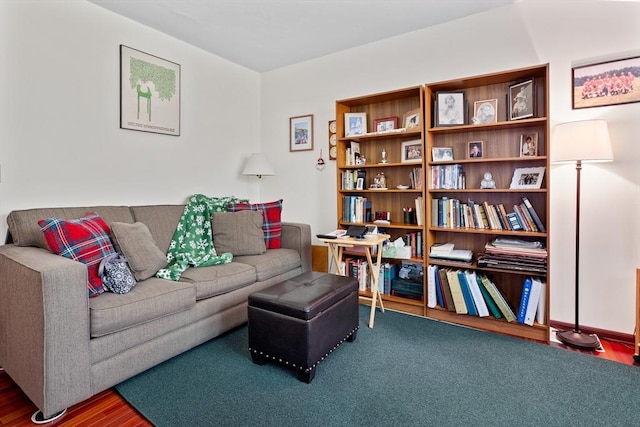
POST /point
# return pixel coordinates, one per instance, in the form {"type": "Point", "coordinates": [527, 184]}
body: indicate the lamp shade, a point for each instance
{"type": "Point", "coordinates": [587, 141]}
{"type": "Point", "coordinates": [258, 165]}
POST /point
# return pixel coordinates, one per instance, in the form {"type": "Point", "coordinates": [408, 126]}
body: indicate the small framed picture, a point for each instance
{"type": "Point", "coordinates": [450, 108]}
{"type": "Point", "coordinates": [360, 184]}
{"type": "Point", "coordinates": [386, 124]}
{"type": "Point", "coordinates": [529, 144]}
{"type": "Point", "coordinates": [522, 100]}
{"type": "Point", "coordinates": [411, 151]}
{"type": "Point", "coordinates": [355, 124]}
{"type": "Point", "coordinates": [527, 178]}
{"type": "Point", "coordinates": [485, 111]}
{"type": "Point", "coordinates": [475, 149]}
{"type": "Point", "coordinates": [605, 83]}
{"type": "Point", "coordinates": [442, 154]}
{"type": "Point", "coordinates": [411, 119]}
{"type": "Point", "coordinates": [301, 133]}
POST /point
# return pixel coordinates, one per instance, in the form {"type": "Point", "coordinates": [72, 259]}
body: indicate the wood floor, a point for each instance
{"type": "Point", "coordinates": [109, 409]}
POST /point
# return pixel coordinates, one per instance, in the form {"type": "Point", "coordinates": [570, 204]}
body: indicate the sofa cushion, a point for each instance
{"type": "Point", "coordinates": [238, 232]}
{"type": "Point", "coordinates": [85, 240]}
{"type": "Point", "coordinates": [161, 220]}
{"type": "Point", "coordinates": [148, 300]}
{"type": "Point", "coordinates": [24, 229]}
{"type": "Point", "coordinates": [272, 263]}
{"type": "Point", "coordinates": [219, 279]}
{"type": "Point", "coordinates": [272, 222]}
{"type": "Point", "coordinates": [136, 243]}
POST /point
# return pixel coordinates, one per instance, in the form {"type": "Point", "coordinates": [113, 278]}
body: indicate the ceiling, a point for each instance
{"type": "Point", "coordinates": [263, 35]}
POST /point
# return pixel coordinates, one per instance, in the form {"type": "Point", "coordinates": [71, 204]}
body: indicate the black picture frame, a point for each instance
{"type": "Point", "coordinates": [521, 100]}
{"type": "Point", "coordinates": [450, 109]}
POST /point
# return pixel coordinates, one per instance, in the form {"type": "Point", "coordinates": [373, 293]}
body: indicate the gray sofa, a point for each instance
{"type": "Point", "coordinates": [62, 347]}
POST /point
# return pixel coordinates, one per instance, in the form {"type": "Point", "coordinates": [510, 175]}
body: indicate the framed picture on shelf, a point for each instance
{"type": "Point", "coordinates": [521, 100]}
{"type": "Point", "coordinates": [529, 144]}
{"type": "Point", "coordinates": [475, 149]}
{"type": "Point", "coordinates": [604, 83]}
{"type": "Point", "coordinates": [360, 184]}
{"type": "Point", "coordinates": [442, 154]}
{"type": "Point", "coordinates": [450, 108]}
{"type": "Point", "coordinates": [386, 124]}
{"type": "Point", "coordinates": [485, 111]}
{"type": "Point", "coordinates": [527, 178]}
{"type": "Point", "coordinates": [411, 151]}
{"type": "Point", "coordinates": [411, 119]}
{"type": "Point", "coordinates": [355, 124]}
{"type": "Point", "coordinates": [301, 133]}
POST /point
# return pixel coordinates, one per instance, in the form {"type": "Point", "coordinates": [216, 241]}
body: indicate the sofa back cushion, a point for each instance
{"type": "Point", "coordinates": [239, 233]}
{"type": "Point", "coordinates": [25, 231]}
{"type": "Point", "coordinates": [138, 246]}
{"type": "Point", "coordinates": [161, 220]}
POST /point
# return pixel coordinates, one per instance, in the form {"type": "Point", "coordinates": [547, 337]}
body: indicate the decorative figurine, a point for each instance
{"type": "Point", "coordinates": [384, 160]}
{"type": "Point", "coordinates": [488, 181]}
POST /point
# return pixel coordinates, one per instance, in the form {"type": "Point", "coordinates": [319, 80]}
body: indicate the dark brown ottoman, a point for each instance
{"type": "Point", "coordinates": [300, 321]}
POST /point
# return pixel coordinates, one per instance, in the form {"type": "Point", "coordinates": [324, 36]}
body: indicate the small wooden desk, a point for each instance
{"type": "Point", "coordinates": [336, 247]}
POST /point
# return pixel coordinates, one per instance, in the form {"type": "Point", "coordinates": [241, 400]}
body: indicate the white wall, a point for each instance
{"type": "Point", "coordinates": [524, 34]}
{"type": "Point", "coordinates": [60, 142]}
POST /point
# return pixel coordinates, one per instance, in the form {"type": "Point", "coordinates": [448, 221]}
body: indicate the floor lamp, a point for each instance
{"type": "Point", "coordinates": [580, 142]}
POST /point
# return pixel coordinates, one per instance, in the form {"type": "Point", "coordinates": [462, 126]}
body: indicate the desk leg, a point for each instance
{"type": "Point", "coordinates": [375, 274]}
{"type": "Point", "coordinates": [336, 255]}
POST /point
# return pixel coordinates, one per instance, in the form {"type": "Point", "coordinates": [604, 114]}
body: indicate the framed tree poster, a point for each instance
{"type": "Point", "coordinates": [149, 93]}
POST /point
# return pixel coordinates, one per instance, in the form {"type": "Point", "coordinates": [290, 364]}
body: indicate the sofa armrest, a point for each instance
{"type": "Point", "coordinates": [298, 236]}
{"type": "Point", "coordinates": [44, 326]}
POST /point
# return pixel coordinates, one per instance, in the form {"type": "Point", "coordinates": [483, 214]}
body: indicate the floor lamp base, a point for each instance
{"type": "Point", "coordinates": [578, 340]}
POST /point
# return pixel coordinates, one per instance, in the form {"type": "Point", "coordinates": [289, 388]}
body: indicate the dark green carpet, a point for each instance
{"type": "Point", "coordinates": [405, 371]}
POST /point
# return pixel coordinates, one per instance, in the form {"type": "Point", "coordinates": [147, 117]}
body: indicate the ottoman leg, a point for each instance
{"type": "Point", "coordinates": [307, 377]}
{"type": "Point", "coordinates": [353, 336]}
{"type": "Point", "coordinates": [258, 359]}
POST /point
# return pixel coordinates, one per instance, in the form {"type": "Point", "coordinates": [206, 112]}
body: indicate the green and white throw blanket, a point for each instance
{"type": "Point", "coordinates": [192, 242]}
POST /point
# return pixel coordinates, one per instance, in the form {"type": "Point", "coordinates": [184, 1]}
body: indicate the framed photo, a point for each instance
{"type": "Point", "coordinates": [529, 144]}
{"type": "Point", "coordinates": [386, 124]}
{"type": "Point", "coordinates": [450, 108]}
{"type": "Point", "coordinates": [149, 93]}
{"type": "Point", "coordinates": [301, 133]}
{"type": "Point", "coordinates": [411, 151]}
{"type": "Point", "coordinates": [606, 83]}
{"type": "Point", "coordinates": [411, 119]}
{"type": "Point", "coordinates": [527, 178]}
{"type": "Point", "coordinates": [475, 149]}
{"type": "Point", "coordinates": [442, 154]}
{"type": "Point", "coordinates": [360, 184]}
{"type": "Point", "coordinates": [485, 111]}
{"type": "Point", "coordinates": [355, 124]}
{"type": "Point", "coordinates": [522, 100]}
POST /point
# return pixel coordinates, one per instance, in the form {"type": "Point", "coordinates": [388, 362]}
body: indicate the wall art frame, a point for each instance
{"type": "Point", "coordinates": [521, 100]}
{"type": "Point", "coordinates": [149, 93]}
{"type": "Point", "coordinates": [450, 109]}
{"type": "Point", "coordinates": [355, 124]}
{"type": "Point", "coordinates": [411, 151]}
{"type": "Point", "coordinates": [606, 83]}
{"type": "Point", "coordinates": [301, 133]}
{"type": "Point", "coordinates": [385, 124]}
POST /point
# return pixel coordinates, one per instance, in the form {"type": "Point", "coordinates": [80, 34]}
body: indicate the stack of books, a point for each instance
{"type": "Point", "coordinates": [514, 254]}
{"type": "Point", "coordinates": [446, 251]}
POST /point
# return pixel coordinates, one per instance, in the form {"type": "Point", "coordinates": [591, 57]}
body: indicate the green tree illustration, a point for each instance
{"type": "Point", "coordinates": [163, 79]}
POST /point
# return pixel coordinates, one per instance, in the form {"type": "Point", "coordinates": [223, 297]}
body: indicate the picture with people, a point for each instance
{"type": "Point", "coordinates": [607, 83]}
{"type": "Point", "coordinates": [529, 145]}
{"type": "Point", "coordinates": [521, 96]}
{"type": "Point", "coordinates": [450, 109]}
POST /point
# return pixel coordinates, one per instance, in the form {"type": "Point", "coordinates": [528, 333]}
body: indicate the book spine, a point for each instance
{"type": "Point", "coordinates": [534, 214]}
{"type": "Point", "coordinates": [524, 300]}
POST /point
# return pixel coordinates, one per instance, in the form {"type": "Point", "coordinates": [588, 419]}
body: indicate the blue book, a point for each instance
{"type": "Point", "coordinates": [466, 293]}
{"type": "Point", "coordinates": [524, 300]}
{"type": "Point", "coordinates": [439, 295]}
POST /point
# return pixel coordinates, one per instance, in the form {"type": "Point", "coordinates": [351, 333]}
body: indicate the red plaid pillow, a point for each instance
{"type": "Point", "coordinates": [85, 240]}
{"type": "Point", "coordinates": [271, 223]}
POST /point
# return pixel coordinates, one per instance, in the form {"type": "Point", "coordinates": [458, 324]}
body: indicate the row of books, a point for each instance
{"type": "Point", "coordinates": [359, 269]}
{"type": "Point", "coordinates": [473, 293]}
{"type": "Point", "coordinates": [356, 209]}
{"type": "Point", "coordinates": [452, 213]}
{"type": "Point", "coordinates": [354, 179]}
{"type": "Point", "coordinates": [514, 254]}
{"type": "Point", "coordinates": [448, 177]}
{"type": "Point", "coordinates": [415, 178]}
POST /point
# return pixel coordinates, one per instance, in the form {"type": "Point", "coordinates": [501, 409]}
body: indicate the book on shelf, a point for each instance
{"type": "Point", "coordinates": [491, 304]}
{"type": "Point", "coordinates": [446, 290]}
{"type": "Point", "coordinates": [533, 214]}
{"type": "Point", "coordinates": [478, 298]}
{"type": "Point", "coordinates": [432, 294]}
{"type": "Point", "coordinates": [499, 299]}
{"type": "Point", "coordinates": [466, 294]}
{"type": "Point", "coordinates": [456, 292]}
{"type": "Point", "coordinates": [541, 312]}
{"type": "Point", "coordinates": [533, 304]}
{"type": "Point", "coordinates": [447, 252]}
{"type": "Point", "coordinates": [419, 210]}
{"type": "Point", "coordinates": [524, 300]}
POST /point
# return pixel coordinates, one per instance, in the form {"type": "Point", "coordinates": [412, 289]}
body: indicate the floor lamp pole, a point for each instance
{"type": "Point", "coordinates": [575, 338]}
